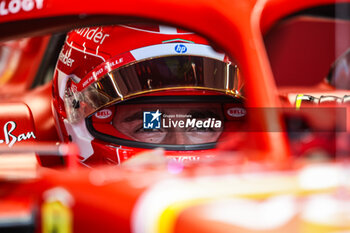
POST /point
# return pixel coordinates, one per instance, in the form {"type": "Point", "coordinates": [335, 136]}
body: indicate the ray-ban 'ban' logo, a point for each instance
{"type": "Point", "coordinates": [11, 138]}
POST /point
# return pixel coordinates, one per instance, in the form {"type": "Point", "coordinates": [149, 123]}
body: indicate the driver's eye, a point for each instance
{"type": "Point", "coordinates": [142, 130]}
{"type": "Point", "coordinates": [195, 129]}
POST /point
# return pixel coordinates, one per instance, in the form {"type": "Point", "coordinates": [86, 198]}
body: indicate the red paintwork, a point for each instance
{"type": "Point", "coordinates": [23, 63]}
{"type": "Point", "coordinates": [270, 16]}
{"type": "Point", "coordinates": [234, 26]}
{"type": "Point", "coordinates": [294, 58]}
{"type": "Point", "coordinates": [231, 25]}
{"type": "Point", "coordinates": [32, 113]}
{"type": "Point", "coordinates": [17, 124]}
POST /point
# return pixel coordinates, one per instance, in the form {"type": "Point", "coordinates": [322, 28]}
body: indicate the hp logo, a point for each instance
{"type": "Point", "coordinates": [180, 48]}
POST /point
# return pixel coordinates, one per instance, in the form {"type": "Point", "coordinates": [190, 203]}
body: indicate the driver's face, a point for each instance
{"type": "Point", "coordinates": [129, 121]}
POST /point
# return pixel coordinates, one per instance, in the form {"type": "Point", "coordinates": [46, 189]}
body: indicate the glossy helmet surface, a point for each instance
{"type": "Point", "coordinates": [101, 69]}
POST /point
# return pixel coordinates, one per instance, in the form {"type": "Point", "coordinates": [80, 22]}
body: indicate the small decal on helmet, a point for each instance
{"type": "Point", "coordinates": [103, 114]}
{"type": "Point", "coordinates": [181, 159]}
{"type": "Point", "coordinates": [180, 48]}
{"type": "Point", "coordinates": [93, 34]}
{"type": "Point", "coordinates": [236, 112]}
{"type": "Point", "coordinates": [65, 58]}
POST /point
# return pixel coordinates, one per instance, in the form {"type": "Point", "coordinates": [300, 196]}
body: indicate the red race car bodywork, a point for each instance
{"type": "Point", "coordinates": [254, 184]}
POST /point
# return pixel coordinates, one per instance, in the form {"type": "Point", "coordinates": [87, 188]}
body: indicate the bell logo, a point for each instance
{"type": "Point", "coordinates": [180, 48]}
{"type": "Point", "coordinates": [236, 112]}
{"type": "Point", "coordinates": [103, 114]}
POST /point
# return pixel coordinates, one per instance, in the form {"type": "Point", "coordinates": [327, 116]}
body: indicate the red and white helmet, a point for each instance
{"type": "Point", "coordinates": [106, 73]}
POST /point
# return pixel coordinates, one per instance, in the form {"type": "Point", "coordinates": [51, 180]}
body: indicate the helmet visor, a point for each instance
{"type": "Point", "coordinates": [152, 75]}
{"type": "Point", "coordinates": [174, 122]}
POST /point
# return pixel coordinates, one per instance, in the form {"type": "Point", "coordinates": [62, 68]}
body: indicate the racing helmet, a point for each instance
{"type": "Point", "coordinates": [122, 89]}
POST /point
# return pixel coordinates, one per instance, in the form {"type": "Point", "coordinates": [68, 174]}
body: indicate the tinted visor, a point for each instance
{"type": "Point", "coordinates": [152, 75]}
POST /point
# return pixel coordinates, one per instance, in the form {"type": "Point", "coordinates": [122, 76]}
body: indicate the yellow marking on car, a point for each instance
{"type": "Point", "coordinates": [56, 217]}
{"type": "Point", "coordinates": [298, 101]}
